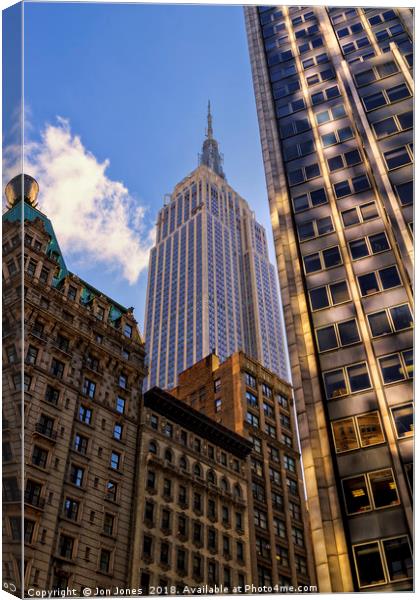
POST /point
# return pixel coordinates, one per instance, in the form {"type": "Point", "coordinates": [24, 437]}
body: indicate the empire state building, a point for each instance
{"type": "Point", "coordinates": [211, 286]}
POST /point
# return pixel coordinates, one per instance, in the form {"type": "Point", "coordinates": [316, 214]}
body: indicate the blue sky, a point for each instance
{"type": "Point", "coordinates": [132, 81]}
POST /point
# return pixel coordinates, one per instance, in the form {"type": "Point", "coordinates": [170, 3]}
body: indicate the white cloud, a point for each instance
{"type": "Point", "coordinates": [96, 219]}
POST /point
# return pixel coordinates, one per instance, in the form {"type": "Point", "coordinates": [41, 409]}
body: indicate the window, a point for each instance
{"type": "Point", "coordinates": [339, 334]}
{"type": "Point", "coordinates": [80, 443]}
{"type": "Point", "coordinates": [372, 244]}
{"type": "Point", "coordinates": [218, 405]}
{"type": "Point", "coordinates": [304, 174]}
{"type": "Point", "coordinates": [340, 135]}
{"type": "Point", "coordinates": [390, 320]}
{"type": "Point", "coordinates": [65, 546]}
{"type": "Point", "coordinates": [128, 330]}
{"type": "Point", "coordinates": [403, 420]}
{"type": "Point", "coordinates": [89, 388]}
{"type": "Point", "coordinates": [111, 490]}
{"type": "Point", "coordinates": [359, 214]}
{"type": "Point", "coordinates": [355, 185]}
{"type": "Point", "coordinates": [331, 114]}
{"type": "Point", "coordinates": [309, 200]}
{"type": "Point", "coordinates": [105, 560]}
{"type": "Point", "coordinates": [168, 430]}
{"type": "Point", "coordinates": [154, 422]}
{"type": "Point", "coordinates": [297, 536]}
{"type": "Point", "coordinates": [250, 380]}
{"type": "Point", "coordinates": [39, 456]}
{"type": "Point", "coordinates": [31, 355]}
{"type": "Point", "coordinates": [120, 405]}
{"type": "Point", "coordinates": [405, 193]}
{"type": "Point", "coordinates": [85, 414]}
{"type": "Point", "coordinates": [398, 157]}
{"type": "Point", "coordinates": [315, 228]}
{"type": "Point", "coordinates": [252, 419]}
{"type": "Point", "coordinates": [108, 527]}
{"type": "Point", "coordinates": [397, 367]}
{"type": "Point", "coordinates": [384, 279]}
{"type": "Point", "coordinates": [289, 463]}
{"type": "Point", "coordinates": [346, 380]}
{"type": "Point", "coordinates": [76, 475]}
{"type": "Point", "coordinates": [325, 259]}
{"type": "Point", "coordinates": [348, 159]}
{"type": "Point", "coordinates": [357, 432]}
{"type": "Point", "coordinates": [71, 509]}
{"type": "Point", "coordinates": [260, 519]}
{"type": "Point", "coordinates": [117, 433]}
{"type": "Point", "coordinates": [328, 295]}
{"type": "Point", "coordinates": [370, 567]}
{"type": "Point", "coordinates": [115, 461]}
{"type": "Point", "coordinates": [57, 368]}
{"type": "Point", "coordinates": [384, 488]}
{"type": "Point", "coordinates": [387, 96]}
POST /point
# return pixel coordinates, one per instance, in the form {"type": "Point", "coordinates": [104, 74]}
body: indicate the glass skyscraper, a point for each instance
{"type": "Point", "coordinates": [334, 98]}
{"type": "Point", "coordinates": [211, 286]}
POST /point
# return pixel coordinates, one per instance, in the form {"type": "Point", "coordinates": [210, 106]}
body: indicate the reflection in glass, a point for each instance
{"type": "Point", "coordinates": [345, 435]}
{"type": "Point", "coordinates": [404, 421]}
{"type": "Point", "coordinates": [370, 429]}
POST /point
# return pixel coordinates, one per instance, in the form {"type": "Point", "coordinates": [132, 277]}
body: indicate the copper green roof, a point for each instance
{"type": "Point", "coordinates": [53, 249]}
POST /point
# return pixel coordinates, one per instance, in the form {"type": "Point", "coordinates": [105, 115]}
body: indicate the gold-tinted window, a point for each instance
{"type": "Point", "coordinates": [345, 435]}
{"type": "Point", "coordinates": [370, 429]}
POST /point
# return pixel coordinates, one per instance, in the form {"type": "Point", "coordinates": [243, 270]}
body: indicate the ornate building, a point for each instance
{"type": "Point", "coordinates": [211, 286]}
{"type": "Point", "coordinates": [334, 94]}
{"type": "Point", "coordinates": [80, 410]}
{"type": "Point", "coordinates": [252, 401]}
{"type": "Point", "coordinates": [191, 519]}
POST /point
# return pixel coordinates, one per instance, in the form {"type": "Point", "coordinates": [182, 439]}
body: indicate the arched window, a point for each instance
{"type": "Point", "coordinates": [183, 463]}
{"type": "Point", "coordinates": [211, 477]}
{"type": "Point", "coordinates": [168, 455]}
{"type": "Point", "coordinates": [153, 447]}
{"type": "Point", "coordinates": [197, 470]}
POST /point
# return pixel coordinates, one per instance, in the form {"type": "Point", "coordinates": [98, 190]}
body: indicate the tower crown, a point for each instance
{"type": "Point", "coordinates": [210, 155]}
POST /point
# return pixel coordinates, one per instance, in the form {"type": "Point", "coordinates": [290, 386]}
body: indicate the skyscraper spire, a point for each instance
{"type": "Point", "coordinates": [210, 155]}
{"type": "Point", "coordinates": [209, 122]}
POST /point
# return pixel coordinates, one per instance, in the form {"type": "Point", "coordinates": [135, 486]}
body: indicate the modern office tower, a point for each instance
{"type": "Point", "coordinates": [78, 400]}
{"type": "Point", "coordinates": [191, 521]}
{"type": "Point", "coordinates": [244, 396]}
{"type": "Point", "coordinates": [211, 285]}
{"type": "Point", "coordinates": [334, 99]}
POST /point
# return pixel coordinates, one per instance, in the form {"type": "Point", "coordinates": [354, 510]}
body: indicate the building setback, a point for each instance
{"type": "Point", "coordinates": [252, 401]}
{"type": "Point", "coordinates": [334, 93]}
{"type": "Point", "coordinates": [82, 381]}
{"type": "Point", "coordinates": [211, 286]}
{"type": "Point", "coordinates": [191, 516]}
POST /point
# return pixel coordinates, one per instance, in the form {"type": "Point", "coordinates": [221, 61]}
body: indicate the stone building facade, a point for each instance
{"type": "Point", "coordinates": [78, 399]}
{"type": "Point", "coordinates": [247, 398]}
{"type": "Point", "coordinates": [191, 514]}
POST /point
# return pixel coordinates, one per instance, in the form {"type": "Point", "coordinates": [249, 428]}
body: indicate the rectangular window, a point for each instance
{"type": "Point", "coordinates": [397, 158]}
{"type": "Point", "coordinates": [403, 420]}
{"type": "Point", "coordinates": [396, 367]}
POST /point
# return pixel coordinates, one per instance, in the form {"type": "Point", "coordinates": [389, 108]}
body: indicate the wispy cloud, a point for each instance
{"type": "Point", "coordinates": [96, 219]}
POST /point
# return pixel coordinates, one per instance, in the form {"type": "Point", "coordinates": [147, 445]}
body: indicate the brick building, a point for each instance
{"type": "Point", "coordinates": [249, 399]}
